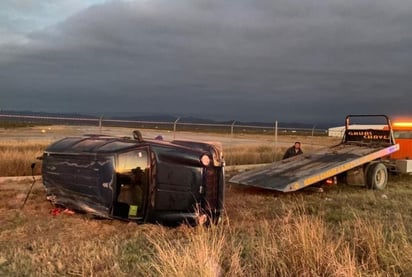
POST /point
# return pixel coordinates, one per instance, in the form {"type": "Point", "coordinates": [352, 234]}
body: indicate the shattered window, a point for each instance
{"type": "Point", "coordinates": [132, 160]}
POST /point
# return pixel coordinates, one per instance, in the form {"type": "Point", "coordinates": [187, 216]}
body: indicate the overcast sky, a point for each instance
{"type": "Point", "coordinates": [257, 60]}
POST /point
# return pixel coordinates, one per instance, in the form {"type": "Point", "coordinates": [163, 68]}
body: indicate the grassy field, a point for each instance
{"type": "Point", "coordinates": [16, 157]}
{"type": "Point", "coordinates": [343, 231]}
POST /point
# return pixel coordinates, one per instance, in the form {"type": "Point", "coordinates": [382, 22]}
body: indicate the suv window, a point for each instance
{"type": "Point", "coordinates": [132, 160]}
{"type": "Point", "coordinates": [132, 175]}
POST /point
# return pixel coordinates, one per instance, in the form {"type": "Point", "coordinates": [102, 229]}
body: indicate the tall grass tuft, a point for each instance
{"type": "Point", "coordinates": [197, 252]}
{"type": "Point", "coordinates": [382, 248]}
{"type": "Point", "coordinates": [298, 245]}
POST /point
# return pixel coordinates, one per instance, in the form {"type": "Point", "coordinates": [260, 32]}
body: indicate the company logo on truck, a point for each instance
{"type": "Point", "coordinates": [368, 135]}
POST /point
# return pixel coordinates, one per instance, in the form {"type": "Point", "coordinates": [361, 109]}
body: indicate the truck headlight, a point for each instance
{"type": "Point", "coordinates": [205, 160]}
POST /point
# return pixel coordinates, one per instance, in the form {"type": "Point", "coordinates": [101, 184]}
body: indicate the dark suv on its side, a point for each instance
{"type": "Point", "coordinates": [136, 179]}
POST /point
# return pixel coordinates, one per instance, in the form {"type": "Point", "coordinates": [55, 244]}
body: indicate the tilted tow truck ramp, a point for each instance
{"type": "Point", "coordinates": [307, 169]}
{"type": "Point", "coordinates": [358, 147]}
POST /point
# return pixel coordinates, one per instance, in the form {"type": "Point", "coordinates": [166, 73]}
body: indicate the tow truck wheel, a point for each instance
{"type": "Point", "coordinates": [377, 176]}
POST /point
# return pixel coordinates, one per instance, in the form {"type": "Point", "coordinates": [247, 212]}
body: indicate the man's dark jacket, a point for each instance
{"type": "Point", "coordinates": [291, 152]}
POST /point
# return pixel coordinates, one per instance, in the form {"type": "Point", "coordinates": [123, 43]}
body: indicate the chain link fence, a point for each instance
{"type": "Point", "coordinates": [232, 128]}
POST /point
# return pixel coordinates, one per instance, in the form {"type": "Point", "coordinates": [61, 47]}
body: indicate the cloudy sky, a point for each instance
{"type": "Point", "coordinates": [289, 60]}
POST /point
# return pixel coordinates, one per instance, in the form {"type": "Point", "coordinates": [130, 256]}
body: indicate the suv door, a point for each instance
{"type": "Point", "coordinates": [132, 182]}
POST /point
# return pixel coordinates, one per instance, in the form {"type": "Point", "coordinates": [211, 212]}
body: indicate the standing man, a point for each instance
{"type": "Point", "coordinates": [293, 151]}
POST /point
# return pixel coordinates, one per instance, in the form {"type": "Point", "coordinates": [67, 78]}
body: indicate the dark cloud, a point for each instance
{"type": "Point", "coordinates": [246, 60]}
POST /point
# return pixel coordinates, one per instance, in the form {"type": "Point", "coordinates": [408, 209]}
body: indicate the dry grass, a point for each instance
{"type": "Point", "coordinates": [17, 156]}
{"type": "Point", "coordinates": [251, 154]}
{"type": "Point", "coordinates": [345, 231]}
{"type": "Point", "coordinates": [256, 154]}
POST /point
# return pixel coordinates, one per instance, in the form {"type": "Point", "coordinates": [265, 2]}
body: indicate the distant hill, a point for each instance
{"type": "Point", "coordinates": [48, 114]}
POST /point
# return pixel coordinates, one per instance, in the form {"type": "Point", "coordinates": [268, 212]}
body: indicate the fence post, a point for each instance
{"type": "Point", "coordinates": [231, 142]}
{"type": "Point", "coordinates": [276, 140]}
{"type": "Point", "coordinates": [231, 128]}
{"type": "Point", "coordinates": [174, 127]}
{"type": "Point", "coordinates": [100, 123]}
{"type": "Point", "coordinates": [313, 134]}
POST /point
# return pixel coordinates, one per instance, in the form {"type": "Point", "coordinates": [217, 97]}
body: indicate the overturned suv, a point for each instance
{"type": "Point", "coordinates": [136, 179]}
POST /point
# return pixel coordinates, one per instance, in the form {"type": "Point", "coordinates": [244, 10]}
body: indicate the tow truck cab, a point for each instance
{"type": "Point", "coordinates": [402, 131]}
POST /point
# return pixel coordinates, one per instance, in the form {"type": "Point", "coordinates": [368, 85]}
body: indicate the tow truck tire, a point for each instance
{"type": "Point", "coordinates": [377, 176]}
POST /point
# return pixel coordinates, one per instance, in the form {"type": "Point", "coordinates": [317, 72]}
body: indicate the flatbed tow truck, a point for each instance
{"type": "Point", "coordinates": [361, 157]}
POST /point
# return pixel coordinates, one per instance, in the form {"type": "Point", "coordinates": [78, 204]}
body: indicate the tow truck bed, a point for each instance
{"type": "Point", "coordinates": [307, 169]}
{"type": "Point", "coordinates": [358, 147]}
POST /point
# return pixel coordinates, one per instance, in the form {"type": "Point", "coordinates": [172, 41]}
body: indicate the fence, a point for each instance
{"type": "Point", "coordinates": [243, 143]}
{"type": "Point", "coordinates": [176, 125]}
